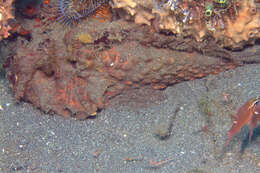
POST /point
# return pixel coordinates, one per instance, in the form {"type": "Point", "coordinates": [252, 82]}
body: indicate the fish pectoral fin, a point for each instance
{"type": "Point", "coordinates": [233, 116]}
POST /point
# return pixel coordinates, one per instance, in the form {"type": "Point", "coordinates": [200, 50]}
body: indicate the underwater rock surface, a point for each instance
{"type": "Point", "coordinates": [6, 14]}
{"type": "Point", "coordinates": [232, 24]}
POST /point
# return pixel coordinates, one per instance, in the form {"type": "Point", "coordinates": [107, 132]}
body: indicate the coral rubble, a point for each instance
{"type": "Point", "coordinates": [6, 13]}
{"type": "Point", "coordinates": [232, 23]}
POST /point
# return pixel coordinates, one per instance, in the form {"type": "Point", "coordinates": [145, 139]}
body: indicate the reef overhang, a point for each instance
{"type": "Point", "coordinates": [232, 23]}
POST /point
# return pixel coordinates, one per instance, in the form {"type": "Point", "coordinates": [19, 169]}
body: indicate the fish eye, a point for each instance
{"type": "Point", "coordinates": [257, 100]}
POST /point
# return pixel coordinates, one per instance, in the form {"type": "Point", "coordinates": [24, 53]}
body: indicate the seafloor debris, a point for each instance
{"type": "Point", "coordinates": [6, 13]}
{"type": "Point", "coordinates": [232, 23]}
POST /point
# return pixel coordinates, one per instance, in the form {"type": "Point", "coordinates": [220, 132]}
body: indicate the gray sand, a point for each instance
{"type": "Point", "coordinates": [133, 134]}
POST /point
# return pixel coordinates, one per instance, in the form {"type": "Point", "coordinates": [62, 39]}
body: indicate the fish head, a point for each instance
{"type": "Point", "coordinates": [257, 107]}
